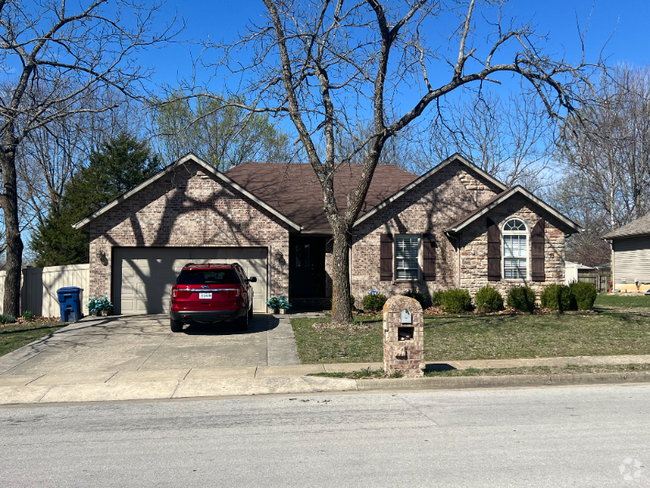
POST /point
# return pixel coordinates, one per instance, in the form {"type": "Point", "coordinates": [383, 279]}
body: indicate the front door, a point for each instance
{"type": "Point", "coordinates": [307, 267]}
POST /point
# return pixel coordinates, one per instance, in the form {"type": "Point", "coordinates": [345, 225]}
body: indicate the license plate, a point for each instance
{"type": "Point", "coordinates": [205, 296]}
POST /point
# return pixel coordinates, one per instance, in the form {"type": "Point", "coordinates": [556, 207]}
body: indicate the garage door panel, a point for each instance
{"type": "Point", "coordinates": [143, 277]}
{"type": "Point", "coordinates": [253, 261]}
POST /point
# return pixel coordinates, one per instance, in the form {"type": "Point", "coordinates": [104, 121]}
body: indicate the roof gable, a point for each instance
{"type": "Point", "coordinates": [172, 167]}
{"type": "Point", "coordinates": [502, 197]}
{"type": "Point", "coordinates": [433, 171]}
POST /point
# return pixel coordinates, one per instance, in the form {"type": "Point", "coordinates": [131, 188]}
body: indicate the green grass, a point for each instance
{"type": "Point", "coordinates": [609, 330]}
{"type": "Point", "coordinates": [336, 345]}
{"type": "Point", "coordinates": [13, 337]}
{"type": "Point", "coordinates": [622, 300]}
{"type": "Point", "coordinates": [603, 333]}
{"type": "Point", "coordinates": [523, 370]}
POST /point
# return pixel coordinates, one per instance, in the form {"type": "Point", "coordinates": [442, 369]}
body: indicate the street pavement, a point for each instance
{"type": "Point", "coordinates": [542, 437]}
{"type": "Point", "coordinates": [139, 358]}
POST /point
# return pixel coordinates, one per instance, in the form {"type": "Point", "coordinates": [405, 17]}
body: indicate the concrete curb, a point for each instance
{"type": "Point", "coordinates": [289, 385]}
{"type": "Point", "coordinates": [514, 381]}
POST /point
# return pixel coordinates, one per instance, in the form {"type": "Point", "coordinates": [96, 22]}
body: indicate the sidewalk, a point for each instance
{"type": "Point", "coordinates": [292, 379]}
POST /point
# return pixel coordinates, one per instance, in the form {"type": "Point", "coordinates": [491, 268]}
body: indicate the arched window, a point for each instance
{"type": "Point", "coordinates": [515, 250]}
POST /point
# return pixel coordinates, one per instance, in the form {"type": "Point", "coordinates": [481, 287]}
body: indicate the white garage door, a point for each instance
{"type": "Point", "coordinates": [143, 277]}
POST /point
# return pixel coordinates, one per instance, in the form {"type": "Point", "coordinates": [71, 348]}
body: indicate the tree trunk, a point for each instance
{"type": "Point", "coordinates": [341, 308]}
{"type": "Point", "coordinates": [14, 252]}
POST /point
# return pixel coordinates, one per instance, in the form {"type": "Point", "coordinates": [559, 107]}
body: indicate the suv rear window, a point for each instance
{"type": "Point", "coordinates": [207, 276]}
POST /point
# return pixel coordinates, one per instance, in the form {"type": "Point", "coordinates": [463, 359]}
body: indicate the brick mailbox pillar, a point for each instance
{"type": "Point", "coordinates": [403, 337]}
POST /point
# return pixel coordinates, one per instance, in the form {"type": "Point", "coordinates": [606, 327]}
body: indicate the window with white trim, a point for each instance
{"type": "Point", "coordinates": [407, 253]}
{"type": "Point", "coordinates": [515, 250]}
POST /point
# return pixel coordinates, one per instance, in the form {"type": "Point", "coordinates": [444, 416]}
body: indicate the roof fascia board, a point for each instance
{"type": "Point", "coordinates": [190, 157]}
{"type": "Point", "coordinates": [607, 237]}
{"type": "Point", "coordinates": [502, 198]}
{"type": "Point", "coordinates": [428, 174]}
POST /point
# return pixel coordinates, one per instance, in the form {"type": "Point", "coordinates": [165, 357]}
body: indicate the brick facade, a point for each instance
{"type": "Point", "coordinates": [473, 240]}
{"type": "Point", "coordinates": [190, 206]}
{"type": "Point", "coordinates": [430, 208]}
{"type": "Point", "coordinates": [187, 208]}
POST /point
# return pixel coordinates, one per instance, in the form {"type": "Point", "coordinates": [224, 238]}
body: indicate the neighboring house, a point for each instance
{"type": "Point", "coordinates": [455, 226]}
{"type": "Point", "coordinates": [631, 255]}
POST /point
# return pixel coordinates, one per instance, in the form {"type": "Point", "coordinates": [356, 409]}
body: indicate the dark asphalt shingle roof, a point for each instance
{"type": "Point", "coordinates": [293, 189]}
{"type": "Point", "coordinates": [639, 227]}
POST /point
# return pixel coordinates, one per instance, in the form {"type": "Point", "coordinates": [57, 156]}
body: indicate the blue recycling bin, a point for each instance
{"type": "Point", "coordinates": [69, 303]}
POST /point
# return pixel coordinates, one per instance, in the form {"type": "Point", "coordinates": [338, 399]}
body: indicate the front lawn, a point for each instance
{"type": "Point", "coordinates": [317, 345]}
{"type": "Point", "coordinates": [623, 300]}
{"type": "Point", "coordinates": [15, 336]}
{"type": "Point", "coordinates": [616, 327]}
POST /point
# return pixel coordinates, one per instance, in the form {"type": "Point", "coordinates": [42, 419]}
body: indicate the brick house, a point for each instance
{"type": "Point", "coordinates": [454, 226]}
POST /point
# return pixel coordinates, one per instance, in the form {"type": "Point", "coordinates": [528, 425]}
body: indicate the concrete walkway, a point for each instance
{"type": "Point", "coordinates": [136, 358]}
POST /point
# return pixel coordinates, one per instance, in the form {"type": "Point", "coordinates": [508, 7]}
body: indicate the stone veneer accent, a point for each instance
{"type": "Point", "coordinates": [405, 356]}
{"type": "Point", "coordinates": [473, 268]}
{"type": "Point", "coordinates": [187, 208]}
{"type": "Point", "coordinates": [429, 208]}
{"type": "Point", "coordinates": [436, 204]}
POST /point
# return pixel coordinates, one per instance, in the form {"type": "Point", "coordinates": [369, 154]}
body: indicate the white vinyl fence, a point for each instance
{"type": "Point", "coordinates": [39, 285]}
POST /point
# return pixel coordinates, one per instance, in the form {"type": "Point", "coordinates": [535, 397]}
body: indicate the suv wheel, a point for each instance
{"type": "Point", "coordinates": [242, 323]}
{"type": "Point", "coordinates": [175, 325]}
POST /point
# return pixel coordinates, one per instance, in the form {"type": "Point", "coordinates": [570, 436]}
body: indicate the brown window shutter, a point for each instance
{"type": "Point", "coordinates": [494, 251]}
{"type": "Point", "coordinates": [386, 258]}
{"type": "Point", "coordinates": [538, 272]}
{"type": "Point", "coordinates": [429, 257]}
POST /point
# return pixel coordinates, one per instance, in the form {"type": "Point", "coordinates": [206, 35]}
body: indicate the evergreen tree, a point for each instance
{"type": "Point", "coordinates": [119, 165]}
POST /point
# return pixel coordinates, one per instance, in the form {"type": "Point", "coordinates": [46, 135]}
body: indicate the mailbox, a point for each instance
{"type": "Point", "coordinates": [403, 337]}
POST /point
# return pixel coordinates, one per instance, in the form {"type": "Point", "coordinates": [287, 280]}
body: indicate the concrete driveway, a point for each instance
{"type": "Point", "coordinates": [124, 345]}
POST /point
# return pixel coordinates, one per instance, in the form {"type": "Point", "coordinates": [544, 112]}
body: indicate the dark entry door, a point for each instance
{"type": "Point", "coordinates": [307, 267]}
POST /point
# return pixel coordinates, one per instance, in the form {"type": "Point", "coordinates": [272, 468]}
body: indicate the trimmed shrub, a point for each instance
{"type": "Point", "coordinates": [556, 297]}
{"type": "Point", "coordinates": [28, 315]}
{"type": "Point", "coordinates": [489, 300]}
{"type": "Point", "coordinates": [584, 295]}
{"type": "Point", "coordinates": [420, 297]}
{"type": "Point", "coordinates": [373, 303]}
{"type": "Point", "coordinates": [436, 298]}
{"type": "Point", "coordinates": [7, 319]}
{"type": "Point", "coordinates": [456, 301]}
{"type": "Point", "coordinates": [521, 298]}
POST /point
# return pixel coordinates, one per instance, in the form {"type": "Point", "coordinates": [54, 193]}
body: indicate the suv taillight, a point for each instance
{"type": "Point", "coordinates": [176, 293]}
{"type": "Point", "coordinates": [230, 292]}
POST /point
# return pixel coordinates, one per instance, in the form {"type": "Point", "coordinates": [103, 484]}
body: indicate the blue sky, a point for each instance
{"type": "Point", "coordinates": [625, 21]}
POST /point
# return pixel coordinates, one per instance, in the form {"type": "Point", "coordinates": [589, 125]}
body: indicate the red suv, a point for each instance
{"type": "Point", "coordinates": [211, 293]}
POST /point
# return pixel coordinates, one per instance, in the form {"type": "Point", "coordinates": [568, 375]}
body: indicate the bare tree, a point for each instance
{"type": "Point", "coordinates": [53, 56]}
{"type": "Point", "coordinates": [50, 155]}
{"type": "Point", "coordinates": [329, 64]}
{"type": "Point", "coordinates": [512, 140]}
{"type": "Point", "coordinates": [585, 247]}
{"type": "Point", "coordinates": [606, 146]}
{"type": "Point", "coordinates": [407, 149]}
